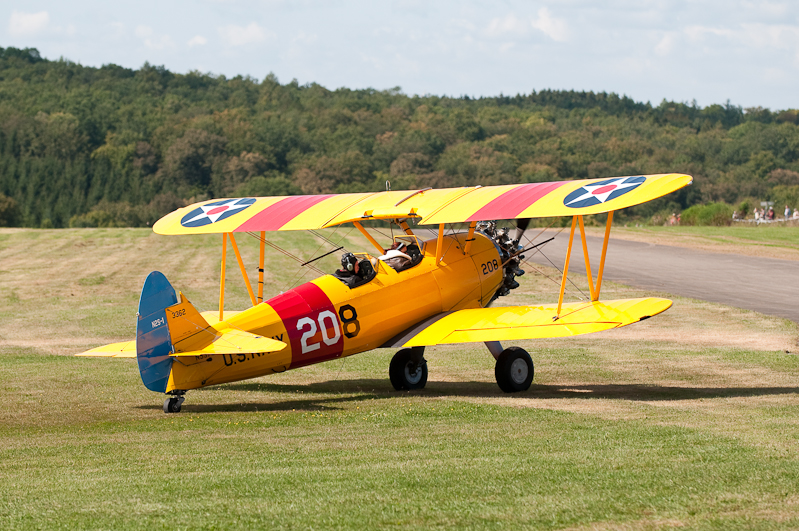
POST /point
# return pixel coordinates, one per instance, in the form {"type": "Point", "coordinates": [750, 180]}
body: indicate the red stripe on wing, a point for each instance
{"type": "Point", "coordinates": [275, 216]}
{"type": "Point", "coordinates": [514, 201]}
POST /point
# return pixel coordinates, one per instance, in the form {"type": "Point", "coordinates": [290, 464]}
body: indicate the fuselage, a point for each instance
{"type": "Point", "coordinates": [325, 319]}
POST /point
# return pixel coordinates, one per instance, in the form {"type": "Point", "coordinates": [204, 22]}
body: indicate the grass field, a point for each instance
{"type": "Point", "coordinates": [688, 420]}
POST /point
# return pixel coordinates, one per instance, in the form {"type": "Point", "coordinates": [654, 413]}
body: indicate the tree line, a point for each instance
{"type": "Point", "coordinates": [112, 146]}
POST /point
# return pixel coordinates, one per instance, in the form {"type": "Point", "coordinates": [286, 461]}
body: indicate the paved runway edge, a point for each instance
{"type": "Point", "coordinates": [765, 285]}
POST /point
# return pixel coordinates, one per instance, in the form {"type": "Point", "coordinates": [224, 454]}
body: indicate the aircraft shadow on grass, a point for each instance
{"type": "Point", "coordinates": [342, 391]}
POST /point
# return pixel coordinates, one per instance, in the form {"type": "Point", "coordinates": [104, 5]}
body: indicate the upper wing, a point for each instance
{"type": "Point", "coordinates": [528, 322]}
{"type": "Point", "coordinates": [447, 205]}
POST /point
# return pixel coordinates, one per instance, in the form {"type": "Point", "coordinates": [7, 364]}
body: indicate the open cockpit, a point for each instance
{"type": "Point", "coordinates": [357, 269]}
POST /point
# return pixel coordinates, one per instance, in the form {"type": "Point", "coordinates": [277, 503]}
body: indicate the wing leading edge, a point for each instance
{"type": "Point", "coordinates": [515, 323]}
{"type": "Point", "coordinates": [428, 207]}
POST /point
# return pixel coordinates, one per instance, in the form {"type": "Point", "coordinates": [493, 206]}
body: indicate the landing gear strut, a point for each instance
{"type": "Point", "coordinates": [408, 369]}
{"type": "Point", "coordinates": [173, 403]}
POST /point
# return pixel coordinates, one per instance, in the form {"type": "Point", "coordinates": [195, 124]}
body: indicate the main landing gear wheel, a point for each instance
{"type": "Point", "coordinates": [173, 403]}
{"type": "Point", "coordinates": [514, 370]}
{"type": "Point", "coordinates": [408, 369]}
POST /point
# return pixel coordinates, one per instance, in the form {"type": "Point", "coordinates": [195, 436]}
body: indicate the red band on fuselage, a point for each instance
{"type": "Point", "coordinates": [515, 201]}
{"type": "Point", "coordinates": [312, 324]}
{"type": "Point", "coordinates": [275, 216]}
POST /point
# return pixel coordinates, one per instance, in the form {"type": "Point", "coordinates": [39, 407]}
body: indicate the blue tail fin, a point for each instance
{"type": "Point", "coordinates": [153, 344]}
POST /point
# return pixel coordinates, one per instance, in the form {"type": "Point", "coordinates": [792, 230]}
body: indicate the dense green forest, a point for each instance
{"type": "Point", "coordinates": [111, 146]}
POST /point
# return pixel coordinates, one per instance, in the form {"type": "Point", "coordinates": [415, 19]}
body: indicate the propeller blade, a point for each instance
{"type": "Point", "coordinates": [521, 226]}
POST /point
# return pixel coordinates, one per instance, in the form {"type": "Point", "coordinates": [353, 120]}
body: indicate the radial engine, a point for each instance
{"type": "Point", "coordinates": [509, 251]}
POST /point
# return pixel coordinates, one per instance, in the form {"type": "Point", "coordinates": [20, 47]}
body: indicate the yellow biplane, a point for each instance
{"type": "Point", "coordinates": [410, 294]}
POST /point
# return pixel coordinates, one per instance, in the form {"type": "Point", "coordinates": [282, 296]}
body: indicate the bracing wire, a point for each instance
{"type": "Point", "coordinates": [343, 361]}
{"type": "Point", "coordinates": [282, 251]}
{"type": "Point", "coordinates": [325, 238]}
{"type": "Point", "coordinates": [383, 234]}
{"type": "Point", "coordinates": [302, 273]}
{"type": "Point", "coordinates": [526, 262]}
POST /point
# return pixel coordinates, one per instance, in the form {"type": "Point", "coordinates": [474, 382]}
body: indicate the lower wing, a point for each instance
{"type": "Point", "coordinates": [528, 322]}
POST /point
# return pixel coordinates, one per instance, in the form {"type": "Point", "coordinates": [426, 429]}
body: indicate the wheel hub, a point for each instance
{"type": "Point", "coordinates": [412, 373]}
{"type": "Point", "coordinates": [518, 371]}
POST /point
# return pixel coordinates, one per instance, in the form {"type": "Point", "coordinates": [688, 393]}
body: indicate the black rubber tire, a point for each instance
{"type": "Point", "coordinates": [172, 405]}
{"type": "Point", "coordinates": [514, 370]}
{"type": "Point", "coordinates": [405, 373]}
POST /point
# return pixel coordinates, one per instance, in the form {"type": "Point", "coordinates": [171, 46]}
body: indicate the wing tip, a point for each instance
{"type": "Point", "coordinates": [123, 349]}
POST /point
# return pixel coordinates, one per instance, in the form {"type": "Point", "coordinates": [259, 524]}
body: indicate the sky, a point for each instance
{"type": "Point", "coordinates": [744, 51]}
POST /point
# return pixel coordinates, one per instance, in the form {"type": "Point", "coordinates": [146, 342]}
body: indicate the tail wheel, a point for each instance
{"type": "Point", "coordinates": [408, 370]}
{"type": "Point", "coordinates": [172, 404]}
{"type": "Point", "coordinates": [514, 370]}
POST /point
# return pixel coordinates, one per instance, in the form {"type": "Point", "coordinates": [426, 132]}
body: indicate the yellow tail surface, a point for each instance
{"type": "Point", "coordinates": [192, 335]}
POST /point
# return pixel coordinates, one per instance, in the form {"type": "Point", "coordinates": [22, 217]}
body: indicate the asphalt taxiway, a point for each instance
{"type": "Point", "coordinates": [766, 285]}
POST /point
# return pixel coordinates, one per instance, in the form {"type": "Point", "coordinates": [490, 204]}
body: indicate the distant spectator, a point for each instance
{"type": "Point", "coordinates": [734, 215]}
{"type": "Point", "coordinates": [673, 219]}
{"type": "Point", "coordinates": [757, 214]}
{"type": "Point", "coordinates": [787, 212]}
{"type": "Point", "coordinates": [770, 215]}
{"type": "Point", "coordinates": [795, 213]}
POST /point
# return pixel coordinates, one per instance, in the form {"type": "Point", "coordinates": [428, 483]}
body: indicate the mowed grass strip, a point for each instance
{"type": "Point", "coordinates": [321, 458]}
{"type": "Point", "coordinates": [687, 420]}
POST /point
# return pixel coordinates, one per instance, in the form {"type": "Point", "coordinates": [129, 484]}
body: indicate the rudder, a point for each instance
{"type": "Point", "coordinates": [153, 344]}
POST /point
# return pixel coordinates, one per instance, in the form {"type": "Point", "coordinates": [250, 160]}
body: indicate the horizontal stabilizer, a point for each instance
{"type": "Point", "coordinates": [532, 322]}
{"type": "Point", "coordinates": [124, 349]}
{"type": "Point", "coordinates": [191, 335]}
{"type": "Point", "coordinates": [233, 342]}
{"type": "Point", "coordinates": [229, 342]}
{"type": "Point", "coordinates": [212, 317]}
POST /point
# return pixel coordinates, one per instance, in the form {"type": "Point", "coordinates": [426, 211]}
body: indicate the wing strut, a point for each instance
{"type": "Point", "coordinates": [566, 268]}
{"type": "Point", "coordinates": [604, 253]}
{"type": "Point", "coordinates": [587, 261]}
{"type": "Point", "coordinates": [369, 237]}
{"type": "Point", "coordinates": [243, 270]}
{"type": "Point", "coordinates": [404, 226]}
{"type": "Point", "coordinates": [222, 277]}
{"type": "Point", "coordinates": [469, 238]}
{"type": "Point", "coordinates": [261, 268]}
{"type": "Point", "coordinates": [440, 243]}
{"type": "Point", "coordinates": [578, 220]}
{"type": "Point", "coordinates": [243, 273]}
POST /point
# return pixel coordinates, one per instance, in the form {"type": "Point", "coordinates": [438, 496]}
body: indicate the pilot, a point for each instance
{"type": "Point", "coordinates": [349, 266]}
{"type": "Point", "coordinates": [397, 257]}
{"type": "Point", "coordinates": [355, 273]}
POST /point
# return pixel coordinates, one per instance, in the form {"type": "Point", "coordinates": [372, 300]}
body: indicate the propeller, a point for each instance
{"type": "Point", "coordinates": [521, 226]}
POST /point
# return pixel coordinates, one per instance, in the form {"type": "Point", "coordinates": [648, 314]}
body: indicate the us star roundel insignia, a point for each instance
{"type": "Point", "coordinates": [216, 211]}
{"type": "Point", "coordinates": [602, 192]}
